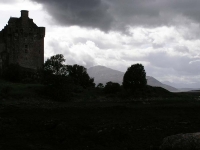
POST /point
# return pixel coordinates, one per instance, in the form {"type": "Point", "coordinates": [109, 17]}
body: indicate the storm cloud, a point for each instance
{"type": "Point", "coordinates": [119, 15]}
{"type": "Point", "coordinates": [87, 13]}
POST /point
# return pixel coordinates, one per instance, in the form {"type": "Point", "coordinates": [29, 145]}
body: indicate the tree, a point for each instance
{"type": "Point", "coordinates": [54, 69]}
{"type": "Point", "coordinates": [63, 80]}
{"type": "Point", "coordinates": [135, 77]}
{"type": "Point", "coordinates": [80, 76]}
{"type": "Point", "coordinates": [55, 65]}
{"type": "Point", "coordinates": [100, 86]}
{"type": "Point", "coordinates": [59, 84]}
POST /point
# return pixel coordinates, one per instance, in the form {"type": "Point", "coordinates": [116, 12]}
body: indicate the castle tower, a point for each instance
{"type": "Point", "coordinates": [24, 17]}
{"type": "Point", "coordinates": [22, 42]}
{"type": "Point", "coordinates": [24, 14]}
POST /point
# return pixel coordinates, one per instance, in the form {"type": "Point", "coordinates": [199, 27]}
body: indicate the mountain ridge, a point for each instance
{"type": "Point", "coordinates": [102, 74]}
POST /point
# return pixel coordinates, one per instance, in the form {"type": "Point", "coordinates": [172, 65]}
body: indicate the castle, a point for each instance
{"type": "Point", "coordinates": [22, 43]}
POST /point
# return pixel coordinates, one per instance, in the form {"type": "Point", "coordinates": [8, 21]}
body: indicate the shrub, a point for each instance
{"type": "Point", "coordinates": [111, 87]}
{"type": "Point", "coordinates": [80, 76]}
{"type": "Point", "coordinates": [61, 89]}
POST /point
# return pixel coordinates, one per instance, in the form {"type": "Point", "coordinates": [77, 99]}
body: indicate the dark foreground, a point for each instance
{"type": "Point", "coordinates": [46, 125]}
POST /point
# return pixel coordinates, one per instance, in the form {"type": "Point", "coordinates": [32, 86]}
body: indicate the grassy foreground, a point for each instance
{"type": "Point", "coordinates": [46, 125]}
{"type": "Point", "coordinates": [28, 121]}
{"type": "Point", "coordinates": [18, 90]}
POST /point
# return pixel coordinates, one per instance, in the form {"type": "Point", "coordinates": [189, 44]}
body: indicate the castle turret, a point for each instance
{"type": "Point", "coordinates": [24, 17]}
{"type": "Point", "coordinates": [24, 14]}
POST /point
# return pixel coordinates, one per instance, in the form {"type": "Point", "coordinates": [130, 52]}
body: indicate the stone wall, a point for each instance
{"type": "Point", "coordinates": [23, 42]}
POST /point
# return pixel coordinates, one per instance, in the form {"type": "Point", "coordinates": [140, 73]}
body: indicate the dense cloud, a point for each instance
{"type": "Point", "coordinates": [118, 15]}
{"type": "Point", "coordinates": [87, 13]}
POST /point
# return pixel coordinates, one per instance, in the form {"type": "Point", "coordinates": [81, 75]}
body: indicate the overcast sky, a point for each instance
{"type": "Point", "coordinates": [163, 35]}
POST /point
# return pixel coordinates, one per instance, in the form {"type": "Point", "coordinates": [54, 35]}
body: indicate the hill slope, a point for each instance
{"type": "Point", "coordinates": [102, 74]}
{"type": "Point", "coordinates": [153, 82]}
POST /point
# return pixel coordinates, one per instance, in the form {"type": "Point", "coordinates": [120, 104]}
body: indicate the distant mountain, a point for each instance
{"type": "Point", "coordinates": [153, 82]}
{"type": "Point", "coordinates": [188, 89]}
{"type": "Point", "coordinates": [102, 74]}
{"type": "Point", "coordinates": [184, 87]}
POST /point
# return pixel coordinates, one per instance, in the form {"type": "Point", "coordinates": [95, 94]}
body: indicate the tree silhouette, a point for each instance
{"type": "Point", "coordinates": [60, 85]}
{"type": "Point", "coordinates": [135, 77]}
{"type": "Point", "coordinates": [80, 75]}
{"type": "Point", "coordinates": [100, 86]}
{"type": "Point", "coordinates": [55, 65]}
{"type": "Point", "coordinates": [63, 80]}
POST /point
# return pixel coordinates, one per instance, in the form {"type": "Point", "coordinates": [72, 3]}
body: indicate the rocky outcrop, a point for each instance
{"type": "Point", "coordinates": [189, 141]}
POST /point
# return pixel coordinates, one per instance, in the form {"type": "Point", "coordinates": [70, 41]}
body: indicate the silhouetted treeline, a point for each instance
{"type": "Point", "coordinates": [68, 82]}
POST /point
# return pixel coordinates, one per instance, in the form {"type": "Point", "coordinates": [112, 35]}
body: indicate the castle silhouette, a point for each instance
{"type": "Point", "coordinates": [22, 43]}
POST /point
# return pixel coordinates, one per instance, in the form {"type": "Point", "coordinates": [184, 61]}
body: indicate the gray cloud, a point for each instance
{"type": "Point", "coordinates": [87, 13]}
{"type": "Point", "coordinates": [182, 49]}
{"type": "Point", "coordinates": [184, 65]}
{"type": "Point", "coordinates": [101, 43]}
{"type": "Point", "coordinates": [73, 57]}
{"type": "Point", "coordinates": [117, 14]}
{"type": "Point", "coordinates": [158, 62]}
{"type": "Point", "coordinates": [7, 1]}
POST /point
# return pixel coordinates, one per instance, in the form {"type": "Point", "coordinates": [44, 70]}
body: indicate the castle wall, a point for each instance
{"type": "Point", "coordinates": [23, 42]}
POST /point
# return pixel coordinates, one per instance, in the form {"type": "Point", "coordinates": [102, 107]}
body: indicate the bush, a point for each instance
{"type": "Point", "coordinates": [111, 87]}
{"type": "Point", "coordinates": [80, 76]}
{"type": "Point", "coordinates": [61, 89]}
{"type": "Point", "coordinates": [146, 92]}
